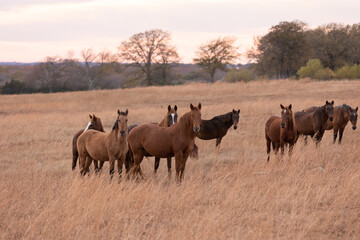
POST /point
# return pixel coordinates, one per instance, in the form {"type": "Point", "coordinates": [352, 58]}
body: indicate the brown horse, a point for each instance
{"type": "Point", "coordinates": [94, 145]}
{"type": "Point", "coordinates": [216, 128]}
{"type": "Point", "coordinates": [342, 115]}
{"type": "Point", "coordinates": [169, 120]}
{"type": "Point", "coordinates": [176, 140]}
{"type": "Point", "coordinates": [280, 131]}
{"type": "Point", "coordinates": [314, 123]}
{"type": "Point", "coordinates": [95, 123]}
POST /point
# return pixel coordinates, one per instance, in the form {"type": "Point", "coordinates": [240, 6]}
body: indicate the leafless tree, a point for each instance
{"type": "Point", "coordinates": [147, 50]}
{"type": "Point", "coordinates": [216, 54]}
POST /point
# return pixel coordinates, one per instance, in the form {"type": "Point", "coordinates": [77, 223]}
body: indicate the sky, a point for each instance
{"type": "Point", "coordinates": [31, 30]}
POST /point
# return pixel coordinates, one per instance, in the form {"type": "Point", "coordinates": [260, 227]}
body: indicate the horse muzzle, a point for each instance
{"type": "Point", "coordinates": [331, 118]}
{"type": "Point", "coordinates": [196, 129]}
{"type": "Point", "coordinates": [354, 127]}
{"type": "Point", "coordinates": [122, 133]}
{"type": "Point", "coordinates": [282, 125]}
{"type": "Point", "coordinates": [235, 127]}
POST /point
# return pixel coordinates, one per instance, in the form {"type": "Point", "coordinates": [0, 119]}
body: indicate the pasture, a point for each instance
{"type": "Point", "coordinates": [227, 193]}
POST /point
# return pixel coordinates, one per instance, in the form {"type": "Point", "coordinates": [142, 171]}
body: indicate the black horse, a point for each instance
{"type": "Point", "coordinates": [216, 127]}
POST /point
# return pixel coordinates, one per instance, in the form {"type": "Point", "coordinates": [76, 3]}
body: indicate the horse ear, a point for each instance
{"type": "Point", "coordinates": [282, 107]}
{"type": "Point", "coordinates": [199, 106]}
{"type": "Point", "coordinates": [332, 102]}
{"type": "Point", "coordinates": [191, 106]}
{"type": "Point", "coordinates": [234, 111]}
{"type": "Point", "coordinates": [327, 102]}
{"type": "Point", "coordinates": [118, 112]}
{"type": "Point", "coordinates": [127, 111]}
{"type": "Point", "coordinates": [356, 109]}
{"type": "Point", "coordinates": [90, 116]}
{"type": "Point", "coordinates": [239, 111]}
{"type": "Point", "coordinates": [290, 106]}
{"type": "Point", "coordinates": [175, 108]}
{"type": "Point", "coordinates": [169, 108]}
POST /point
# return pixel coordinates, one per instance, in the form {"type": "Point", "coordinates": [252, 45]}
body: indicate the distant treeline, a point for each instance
{"type": "Point", "coordinates": [288, 50]}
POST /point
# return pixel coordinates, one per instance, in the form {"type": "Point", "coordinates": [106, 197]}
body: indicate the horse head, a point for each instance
{"type": "Point", "coordinates": [95, 123]}
{"type": "Point", "coordinates": [329, 109]}
{"type": "Point", "coordinates": [196, 117]}
{"type": "Point", "coordinates": [353, 117]}
{"type": "Point", "coordinates": [121, 122]}
{"type": "Point", "coordinates": [235, 117]}
{"type": "Point", "coordinates": [286, 115]}
{"type": "Point", "coordinates": [172, 116]}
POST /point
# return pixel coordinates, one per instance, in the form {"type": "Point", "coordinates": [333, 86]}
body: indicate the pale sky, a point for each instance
{"type": "Point", "coordinates": [30, 30]}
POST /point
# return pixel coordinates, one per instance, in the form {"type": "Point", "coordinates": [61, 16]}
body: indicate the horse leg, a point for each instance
{"type": "Point", "coordinates": [305, 139]}
{"type": "Point", "coordinates": [128, 163]}
{"type": "Point", "coordinates": [138, 157]}
{"type": "Point", "coordinates": [169, 166]}
{"type": "Point", "coordinates": [268, 143]}
{"type": "Point", "coordinates": [291, 146]}
{"type": "Point", "coordinates": [195, 152]}
{"type": "Point", "coordinates": [96, 167]}
{"type": "Point", "coordinates": [121, 161]}
{"type": "Point", "coordinates": [319, 136]}
{"type": "Point", "coordinates": [112, 165]}
{"type": "Point", "coordinates": [282, 147]}
{"type": "Point", "coordinates": [218, 141]}
{"type": "Point", "coordinates": [101, 165]}
{"type": "Point", "coordinates": [335, 135]}
{"type": "Point", "coordinates": [75, 157]}
{"type": "Point", "coordinates": [178, 165]}
{"type": "Point", "coordinates": [87, 164]}
{"type": "Point", "coordinates": [341, 131]}
{"type": "Point", "coordinates": [82, 161]}
{"type": "Point", "coordinates": [156, 164]}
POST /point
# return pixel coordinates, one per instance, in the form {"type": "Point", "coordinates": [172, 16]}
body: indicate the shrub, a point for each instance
{"type": "Point", "coordinates": [315, 70]}
{"type": "Point", "coordinates": [323, 74]}
{"type": "Point", "coordinates": [245, 75]}
{"type": "Point", "coordinates": [348, 72]}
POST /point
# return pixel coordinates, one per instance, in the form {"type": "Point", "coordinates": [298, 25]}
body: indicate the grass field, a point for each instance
{"type": "Point", "coordinates": [227, 193]}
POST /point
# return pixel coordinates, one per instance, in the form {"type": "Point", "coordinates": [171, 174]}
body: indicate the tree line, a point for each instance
{"type": "Point", "coordinates": [149, 58]}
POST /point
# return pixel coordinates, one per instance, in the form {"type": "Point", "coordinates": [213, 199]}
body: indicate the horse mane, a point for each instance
{"type": "Point", "coordinates": [116, 125]}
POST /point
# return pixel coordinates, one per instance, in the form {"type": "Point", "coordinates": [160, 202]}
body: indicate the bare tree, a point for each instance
{"type": "Point", "coordinates": [216, 54]}
{"type": "Point", "coordinates": [90, 66]}
{"type": "Point", "coordinates": [144, 50]}
{"type": "Point", "coordinates": [50, 72]}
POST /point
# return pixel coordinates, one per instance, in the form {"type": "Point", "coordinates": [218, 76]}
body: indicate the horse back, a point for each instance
{"type": "Point", "coordinates": [93, 143]}
{"type": "Point", "coordinates": [304, 122]}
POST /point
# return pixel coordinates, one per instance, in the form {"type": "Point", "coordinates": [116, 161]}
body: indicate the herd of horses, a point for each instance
{"type": "Point", "coordinates": [130, 144]}
{"type": "Point", "coordinates": [171, 138]}
{"type": "Point", "coordinates": [285, 129]}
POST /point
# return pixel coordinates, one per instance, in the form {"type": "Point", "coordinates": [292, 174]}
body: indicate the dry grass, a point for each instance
{"type": "Point", "coordinates": [230, 193]}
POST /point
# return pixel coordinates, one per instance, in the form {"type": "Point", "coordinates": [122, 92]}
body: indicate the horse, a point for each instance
{"type": "Point", "coordinates": [177, 140]}
{"type": "Point", "coordinates": [280, 131]}
{"type": "Point", "coordinates": [314, 123]}
{"type": "Point", "coordinates": [169, 120]}
{"type": "Point", "coordinates": [342, 115]}
{"type": "Point", "coordinates": [217, 127]}
{"type": "Point", "coordinates": [94, 145]}
{"type": "Point", "coordinates": [94, 123]}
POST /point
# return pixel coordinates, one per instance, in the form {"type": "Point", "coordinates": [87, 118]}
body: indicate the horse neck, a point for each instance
{"type": "Point", "coordinates": [186, 123]}
{"type": "Point", "coordinates": [164, 122]}
{"type": "Point", "coordinates": [323, 113]}
{"type": "Point", "coordinates": [226, 119]}
{"type": "Point", "coordinates": [115, 135]}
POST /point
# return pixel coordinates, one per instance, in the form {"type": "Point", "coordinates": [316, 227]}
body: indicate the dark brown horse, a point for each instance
{"type": "Point", "coordinates": [314, 123]}
{"type": "Point", "coordinates": [342, 115]}
{"type": "Point", "coordinates": [176, 140]}
{"type": "Point", "coordinates": [280, 131]}
{"type": "Point", "coordinates": [169, 120]}
{"type": "Point", "coordinates": [94, 145]}
{"type": "Point", "coordinates": [95, 123]}
{"type": "Point", "coordinates": [216, 128]}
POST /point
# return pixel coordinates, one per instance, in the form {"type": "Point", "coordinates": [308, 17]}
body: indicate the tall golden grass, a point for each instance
{"type": "Point", "coordinates": [228, 193]}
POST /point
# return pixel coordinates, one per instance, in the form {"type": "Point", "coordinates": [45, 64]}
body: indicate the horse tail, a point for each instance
{"type": "Point", "coordinates": [129, 159]}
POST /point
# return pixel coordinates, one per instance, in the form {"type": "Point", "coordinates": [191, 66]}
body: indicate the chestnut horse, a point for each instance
{"type": "Point", "coordinates": [314, 123]}
{"type": "Point", "coordinates": [217, 127]}
{"type": "Point", "coordinates": [342, 115]}
{"type": "Point", "coordinates": [170, 119]}
{"type": "Point", "coordinates": [95, 123]}
{"type": "Point", "coordinates": [280, 131]}
{"type": "Point", "coordinates": [94, 145]}
{"type": "Point", "coordinates": [176, 140]}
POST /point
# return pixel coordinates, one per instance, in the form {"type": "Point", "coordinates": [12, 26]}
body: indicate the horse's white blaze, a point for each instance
{"type": "Point", "coordinates": [173, 116]}
{"type": "Point", "coordinates": [87, 127]}
{"type": "Point", "coordinates": [285, 111]}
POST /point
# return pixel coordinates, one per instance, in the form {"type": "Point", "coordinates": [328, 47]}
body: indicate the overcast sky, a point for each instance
{"type": "Point", "coordinates": [30, 30]}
